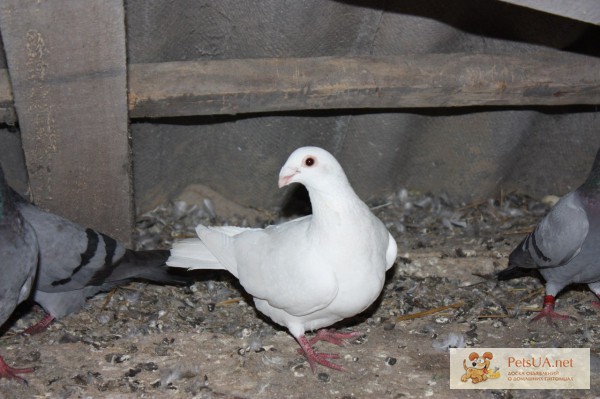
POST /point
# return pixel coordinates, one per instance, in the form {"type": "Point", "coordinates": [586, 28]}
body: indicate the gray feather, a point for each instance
{"type": "Point", "coordinates": [18, 254]}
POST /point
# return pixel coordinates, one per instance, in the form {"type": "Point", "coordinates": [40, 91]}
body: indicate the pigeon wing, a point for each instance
{"type": "Point", "coordinates": [70, 255]}
{"type": "Point", "coordinates": [283, 268]}
{"type": "Point", "coordinates": [276, 265]}
{"type": "Point", "coordinates": [557, 238]}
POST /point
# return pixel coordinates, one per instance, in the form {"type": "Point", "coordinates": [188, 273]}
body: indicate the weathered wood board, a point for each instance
{"type": "Point", "coordinates": [67, 66]}
{"type": "Point", "coordinates": [429, 80]}
{"type": "Point", "coordinates": [433, 80]}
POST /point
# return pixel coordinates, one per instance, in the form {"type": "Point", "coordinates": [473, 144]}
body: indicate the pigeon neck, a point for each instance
{"type": "Point", "coordinates": [337, 204]}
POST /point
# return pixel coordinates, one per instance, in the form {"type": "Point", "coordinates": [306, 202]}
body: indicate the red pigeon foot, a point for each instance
{"type": "Point", "coordinates": [11, 373]}
{"type": "Point", "coordinates": [548, 311]}
{"type": "Point", "coordinates": [315, 357]}
{"type": "Point", "coordinates": [40, 326]}
{"type": "Point", "coordinates": [332, 336]}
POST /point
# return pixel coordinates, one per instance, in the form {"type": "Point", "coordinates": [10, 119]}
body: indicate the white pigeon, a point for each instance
{"type": "Point", "coordinates": [310, 272]}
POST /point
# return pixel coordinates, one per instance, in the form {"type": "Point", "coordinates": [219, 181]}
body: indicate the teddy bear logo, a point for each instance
{"type": "Point", "coordinates": [478, 369]}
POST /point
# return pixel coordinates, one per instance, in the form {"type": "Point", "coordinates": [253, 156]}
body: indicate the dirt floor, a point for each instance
{"type": "Point", "coordinates": [207, 341]}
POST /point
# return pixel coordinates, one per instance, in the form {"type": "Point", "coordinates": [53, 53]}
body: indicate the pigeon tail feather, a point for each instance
{"type": "Point", "coordinates": [511, 272]}
{"type": "Point", "coordinates": [192, 254]}
{"type": "Point", "coordinates": [145, 265]}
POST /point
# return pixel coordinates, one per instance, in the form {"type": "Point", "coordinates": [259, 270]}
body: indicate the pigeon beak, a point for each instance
{"type": "Point", "coordinates": [286, 175]}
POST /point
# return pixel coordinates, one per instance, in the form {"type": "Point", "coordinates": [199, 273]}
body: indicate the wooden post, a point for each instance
{"type": "Point", "coordinates": [67, 66]}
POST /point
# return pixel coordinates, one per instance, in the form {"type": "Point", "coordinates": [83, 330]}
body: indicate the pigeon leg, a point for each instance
{"type": "Point", "coordinates": [40, 326]}
{"type": "Point", "coordinates": [595, 287]}
{"type": "Point", "coordinates": [548, 311]}
{"type": "Point", "coordinates": [315, 357]}
{"type": "Point", "coordinates": [332, 336]}
{"type": "Point", "coordinates": [10, 373]}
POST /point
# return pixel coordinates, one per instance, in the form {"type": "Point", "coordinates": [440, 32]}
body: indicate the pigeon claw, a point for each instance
{"type": "Point", "coordinates": [315, 357]}
{"type": "Point", "coordinates": [332, 336]}
{"type": "Point", "coordinates": [40, 326]}
{"type": "Point", "coordinates": [12, 373]}
{"type": "Point", "coordinates": [548, 312]}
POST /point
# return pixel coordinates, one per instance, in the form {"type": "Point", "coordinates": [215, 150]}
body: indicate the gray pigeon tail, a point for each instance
{"type": "Point", "coordinates": [18, 266]}
{"type": "Point", "coordinates": [139, 265]}
{"type": "Point", "coordinates": [77, 263]}
{"type": "Point", "coordinates": [565, 245]}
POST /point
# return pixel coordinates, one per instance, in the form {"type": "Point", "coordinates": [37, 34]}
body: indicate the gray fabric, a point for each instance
{"type": "Point", "coordinates": [470, 156]}
{"type": "Point", "coordinates": [582, 10]}
{"type": "Point", "coordinates": [166, 30]}
{"type": "Point", "coordinates": [468, 153]}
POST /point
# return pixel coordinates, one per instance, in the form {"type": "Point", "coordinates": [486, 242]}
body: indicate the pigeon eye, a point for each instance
{"type": "Point", "coordinates": [309, 161]}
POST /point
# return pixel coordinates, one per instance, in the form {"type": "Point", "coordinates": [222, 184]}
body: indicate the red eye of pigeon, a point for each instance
{"type": "Point", "coordinates": [310, 161]}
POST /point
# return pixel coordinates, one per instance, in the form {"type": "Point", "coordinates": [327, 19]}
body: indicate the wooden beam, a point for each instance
{"type": "Point", "coordinates": [68, 70]}
{"type": "Point", "coordinates": [432, 80]}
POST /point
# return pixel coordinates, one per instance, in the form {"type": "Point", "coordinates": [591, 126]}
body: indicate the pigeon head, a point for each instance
{"type": "Point", "coordinates": [313, 167]}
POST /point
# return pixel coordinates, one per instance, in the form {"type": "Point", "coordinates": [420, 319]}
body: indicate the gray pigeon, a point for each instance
{"type": "Point", "coordinates": [565, 245]}
{"type": "Point", "coordinates": [18, 265]}
{"type": "Point", "coordinates": [77, 263]}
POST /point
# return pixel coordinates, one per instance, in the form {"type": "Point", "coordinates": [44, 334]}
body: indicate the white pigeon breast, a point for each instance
{"type": "Point", "coordinates": [339, 273]}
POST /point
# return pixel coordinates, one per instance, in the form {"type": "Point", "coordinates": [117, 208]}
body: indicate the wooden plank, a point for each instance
{"type": "Point", "coordinates": [67, 64]}
{"type": "Point", "coordinates": [432, 80]}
